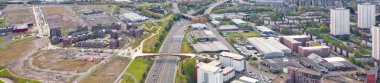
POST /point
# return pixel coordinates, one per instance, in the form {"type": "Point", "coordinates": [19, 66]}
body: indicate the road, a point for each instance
{"type": "Point", "coordinates": [164, 68]}
{"type": "Point", "coordinates": [213, 5]}
{"type": "Point", "coordinates": [221, 38]}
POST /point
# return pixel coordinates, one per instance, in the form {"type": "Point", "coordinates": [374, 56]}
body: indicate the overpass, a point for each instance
{"type": "Point", "coordinates": [212, 6]}
{"type": "Point", "coordinates": [168, 54]}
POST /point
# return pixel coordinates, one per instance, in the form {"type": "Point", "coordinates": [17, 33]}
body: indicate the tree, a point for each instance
{"type": "Point", "coordinates": [254, 58]}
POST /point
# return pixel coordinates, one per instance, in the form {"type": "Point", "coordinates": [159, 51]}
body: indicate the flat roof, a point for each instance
{"type": "Point", "coordinates": [228, 27]}
{"type": "Point", "coordinates": [214, 46]}
{"type": "Point", "coordinates": [238, 21]}
{"type": "Point", "coordinates": [207, 67]}
{"type": "Point", "coordinates": [248, 79]}
{"type": "Point", "coordinates": [134, 16]}
{"type": "Point", "coordinates": [264, 29]}
{"type": "Point", "coordinates": [198, 25]}
{"type": "Point", "coordinates": [334, 59]}
{"type": "Point", "coordinates": [268, 45]}
{"type": "Point", "coordinates": [214, 63]}
{"type": "Point", "coordinates": [228, 70]}
{"type": "Point", "coordinates": [232, 55]}
{"type": "Point", "coordinates": [314, 47]}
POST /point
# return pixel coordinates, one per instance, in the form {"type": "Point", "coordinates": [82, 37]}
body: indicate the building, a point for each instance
{"type": "Point", "coordinates": [228, 28]}
{"type": "Point", "coordinates": [238, 21]}
{"type": "Point", "coordinates": [203, 35]}
{"type": "Point", "coordinates": [322, 51]}
{"type": "Point", "coordinates": [294, 41]}
{"type": "Point", "coordinates": [217, 16]}
{"type": "Point", "coordinates": [198, 26]}
{"type": "Point", "coordinates": [265, 30]}
{"type": "Point", "coordinates": [315, 58]}
{"type": "Point", "coordinates": [338, 64]}
{"type": "Point", "coordinates": [6, 29]}
{"type": "Point", "coordinates": [375, 31]}
{"type": "Point", "coordinates": [133, 17]}
{"type": "Point", "coordinates": [340, 21]}
{"type": "Point", "coordinates": [312, 65]}
{"type": "Point", "coordinates": [371, 75]}
{"type": "Point", "coordinates": [302, 75]}
{"type": "Point", "coordinates": [114, 43]}
{"type": "Point", "coordinates": [209, 47]}
{"type": "Point", "coordinates": [208, 74]}
{"type": "Point", "coordinates": [277, 64]}
{"type": "Point", "coordinates": [18, 28]}
{"type": "Point", "coordinates": [67, 41]}
{"type": "Point", "coordinates": [138, 32]}
{"type": "Point", "coordinates": [228, 74]}
{"type": "Point", "coordinates": [235, 61]}
{"type": "Point", "coordinates": [269, 47]}
{"type": "Point", "coordinates": [272, 3]}
{"type": "Point", "coordinates": [366, 15]}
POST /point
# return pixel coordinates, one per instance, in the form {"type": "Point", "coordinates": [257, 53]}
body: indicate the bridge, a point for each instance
{"type": "Point", "coordinates": [212, 6]}
{"type": "Point", "coordinates": [168, 54]}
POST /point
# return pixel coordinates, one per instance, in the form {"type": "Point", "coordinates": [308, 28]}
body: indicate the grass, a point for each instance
{"type": "Point", "coordinates": [333, 41]}
{"type": "Point", "coordinates": [16, 79]}
{"type": "Point", "coordinates": [185, 46]}
{"type": "Point", "coordinates": [2, 39]}
{"type": "Point", "coordinates": [127, 79]}
{"type": "Point", "coordinates": [108, 72]}
{"type": "Point", "coordinates": [185, 71]}
{"type": "Point", "coordinates": [314, 44]}
{"type": "Point", "coordinates": [153, 44]}
{"type": "Point", "coordinates": [2, 20]}
{"type": "Point", "coordinates": [139, 68]}
{"type": "Point", "coordinates": [244, 34]}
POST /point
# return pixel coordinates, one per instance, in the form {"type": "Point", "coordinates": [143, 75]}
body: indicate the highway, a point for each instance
{"type": "Point", "coordinates": [164, 68]}
{"type": "Point", "coordinates": [213, 5]}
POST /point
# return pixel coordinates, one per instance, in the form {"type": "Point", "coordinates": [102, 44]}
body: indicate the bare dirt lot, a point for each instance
{"type": "Point", "coordinates": [63, 60]}
{"type": "Point", "coordinates": [108, 72]}
{"type": "Point", "coordinates": [16, 50]}
{"type": "Point", "coordinates": [102, 18]}
{"type": "Point", "coordinates": [60, 16]}
{"type": "Point", "coordinates": [18, 14]}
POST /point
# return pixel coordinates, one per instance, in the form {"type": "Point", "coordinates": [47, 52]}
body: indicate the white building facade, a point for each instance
{"type": "Point", "coordinates": [340, 21]}
{"type": "Point", "coordinates": [228, 74]}
{"type": "Point", "coordinates": [235, 61]}
{"type": "Point", "coordinates": [366, 15]}
{"type": "Point", "coordinates": [375, 30]}
{"type": "Point", "coordinates": [209, 74]}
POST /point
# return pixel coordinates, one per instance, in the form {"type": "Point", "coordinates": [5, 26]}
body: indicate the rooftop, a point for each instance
{"type": "Point", "coordinates": [134, 17]}
{"type": "Point", "coordinates": [264, 29]}
{"type": "Point", "coordinates": [334, 59]}
{"type": "Point", "coordinates": [228, 27]}
{"type": "Point", "coordinates": [207, 67]}
{"type": "Point", "coordinates": [248, 79]}
{"type": "Point", "coordinates": [232, 55]}
{"type": "Point", "coordinates": [238, 21]}
{"type": "Point", "coordinates": [214, 46]}
{"type": "Point", "coordinates": [214, 63]}
{"type": "Point", "coordinates": [198, 25]}
{"type": "Point", "coordinates": [227, 70]}
{"type": "Point", "coordinates": [268, 45]}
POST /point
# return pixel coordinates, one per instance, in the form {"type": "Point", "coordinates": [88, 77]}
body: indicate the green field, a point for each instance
{"type": "Point", "coordinates": [6, 73]}
{"type": "Point", "coordinates": [185, 71]}
{"type": "Point", "coordinates": [139, 68]}
{"type": "Point", "coordinates": [244, 34]}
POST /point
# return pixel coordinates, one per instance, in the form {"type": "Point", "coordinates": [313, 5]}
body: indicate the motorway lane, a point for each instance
{"type": "Point", "coordinates": [164, 68]}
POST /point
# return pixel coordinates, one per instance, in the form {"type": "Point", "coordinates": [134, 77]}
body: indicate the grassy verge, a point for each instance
{"type": "Point", "coordinates": [16, 79]}
{"type": "Point", "coordinates": [2, 20]}
{"type": "Point", "coordinates": [185, 46]}
{"type": "Point", "coordinates": [139, 68]}
{"type": "Point", "coordinates": [333, 41]}
{"type": "Point", "coordinates": [185, 72]}
{"type": "Point", "coordinates": [153, 44]}
{"type": "Point", "coordinates": [15, 43]}
{"type": "Point", "coordinates": [2, 39]}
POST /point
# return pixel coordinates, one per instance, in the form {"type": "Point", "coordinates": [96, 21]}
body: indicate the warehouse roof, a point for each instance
{"type": "Point", "coordinates": [198, 25]}
{"type": "Point", "coordinates": [334, 59]}
{"type": "Point", "coordinates": [134, 17]}
{"type": "Point", "coordinates": [238, 21]}
{"type": "Point", "coordinates": [203, 34]}
{"type": "Point", "coordinates": [227, 27]}
{"type": "Point", "coordinates": [314, 47]}
{"type": "Point", "coordinates": [209, 47]}
{"type": "Point", "coordinates": [268, 45]}
{"type": "Point", "coordinates": [248, 79]}
{"type": "Point", "coordinates": [316, 58]}
{"type": "Point", "coordinates": [264, 29]}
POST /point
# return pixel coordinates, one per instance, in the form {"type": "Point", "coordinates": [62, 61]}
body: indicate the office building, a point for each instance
{"type": "Point", "coordinates": [235, 61]}
{"type": "Point", "coordinates": [375, 30]}
{"type": "Point", "coordinates": [208, 74]}
{"type": "Point", "coordinates": [340, 21]}
{"type": "Point", "coordinates": [366, 15]}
